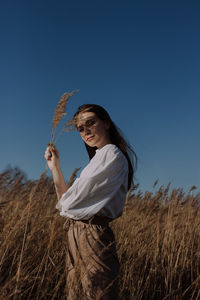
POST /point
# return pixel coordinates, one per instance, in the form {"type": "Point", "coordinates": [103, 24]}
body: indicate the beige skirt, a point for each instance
{"type": "Point", "coordinates": [92, 265]}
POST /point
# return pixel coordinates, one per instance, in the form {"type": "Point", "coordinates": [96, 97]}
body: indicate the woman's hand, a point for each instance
{"type": "Point", "coordinates": [52, 157]}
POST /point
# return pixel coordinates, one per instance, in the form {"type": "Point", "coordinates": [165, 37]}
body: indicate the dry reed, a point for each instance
{"type": "Point", "coordinates": [60, 113]}
{"type": "Point", "coordinates": [158, 240]}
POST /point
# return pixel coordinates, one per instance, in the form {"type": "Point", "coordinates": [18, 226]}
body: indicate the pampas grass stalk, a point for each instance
{"type": "Point", "coordinates": [60, 113]}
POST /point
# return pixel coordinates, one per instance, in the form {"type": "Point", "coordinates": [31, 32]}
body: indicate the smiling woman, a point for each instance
{"type": "Point", "coordinates": [95, 199]}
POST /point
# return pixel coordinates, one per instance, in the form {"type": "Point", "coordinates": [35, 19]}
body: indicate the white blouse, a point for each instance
{"type": "Point", "coordinates": [101, 188]}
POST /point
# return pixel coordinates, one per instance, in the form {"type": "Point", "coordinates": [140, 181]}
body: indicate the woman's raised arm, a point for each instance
{"type": "Point", "coordinates": [52, 157]}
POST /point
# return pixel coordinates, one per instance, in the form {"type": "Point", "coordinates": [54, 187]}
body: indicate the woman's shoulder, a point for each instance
{"type": "Point", "coordinates": [107, 158]}
{"type": "Point", "coordinates": [108, 148]}
{"type": "Point", "coordinates": [110, 151]}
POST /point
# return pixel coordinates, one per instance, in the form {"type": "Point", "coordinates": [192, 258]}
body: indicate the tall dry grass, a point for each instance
{"type": "Point", "coordinates": [158, 242]}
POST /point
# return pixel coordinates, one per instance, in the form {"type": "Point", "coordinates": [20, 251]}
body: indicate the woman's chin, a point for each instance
{"type": "Point", "coordinates": [91, 143]}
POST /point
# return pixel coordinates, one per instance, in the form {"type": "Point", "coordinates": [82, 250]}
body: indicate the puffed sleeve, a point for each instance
{"type": "Point", "coordinates": [100, 183]}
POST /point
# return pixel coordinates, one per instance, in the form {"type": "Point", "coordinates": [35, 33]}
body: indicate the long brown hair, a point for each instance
{"type": "Point", "coordinates": [116, 137]}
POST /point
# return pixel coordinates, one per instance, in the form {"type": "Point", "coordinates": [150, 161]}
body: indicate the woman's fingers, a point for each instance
{"type": "Point", "coordinates": [48, 153]}
{"type": "Point", "coordinates": [51, 151]}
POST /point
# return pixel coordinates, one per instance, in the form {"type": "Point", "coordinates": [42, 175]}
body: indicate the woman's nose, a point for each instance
{"type": "Point", "coordinates": [87, 130]}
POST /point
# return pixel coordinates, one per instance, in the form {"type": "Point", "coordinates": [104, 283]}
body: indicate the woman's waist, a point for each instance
{"type": "Point", "coordinates": [94, 220]}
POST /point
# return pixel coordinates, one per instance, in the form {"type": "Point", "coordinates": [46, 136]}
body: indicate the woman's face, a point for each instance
{"type": "Point", "coordinates": [93, 131]}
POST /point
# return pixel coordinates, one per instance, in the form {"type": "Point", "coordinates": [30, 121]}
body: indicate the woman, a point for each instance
{"type": "Point", "coordinates": [95, 198]}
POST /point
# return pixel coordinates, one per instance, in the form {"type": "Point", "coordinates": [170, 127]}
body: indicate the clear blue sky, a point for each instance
{"type": "Point", "coordinates": [138, 59]}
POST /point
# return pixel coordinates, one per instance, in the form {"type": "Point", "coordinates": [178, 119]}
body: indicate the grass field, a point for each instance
{"type": "Point", "coordinates": [158, 242]}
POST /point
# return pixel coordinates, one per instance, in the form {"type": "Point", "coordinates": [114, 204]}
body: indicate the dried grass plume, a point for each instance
{"type": "Point", "coordinates": [60, 112]}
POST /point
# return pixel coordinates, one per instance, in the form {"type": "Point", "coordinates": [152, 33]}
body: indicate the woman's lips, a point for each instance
{"type": "Point", "coordinates": [90, 138]}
